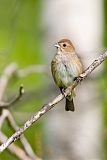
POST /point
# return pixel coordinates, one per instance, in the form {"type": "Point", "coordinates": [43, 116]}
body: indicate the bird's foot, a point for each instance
{"type": "Point", "coordinates": [78, 79]}
{"type": "Point", "coordinates": [62, 91]}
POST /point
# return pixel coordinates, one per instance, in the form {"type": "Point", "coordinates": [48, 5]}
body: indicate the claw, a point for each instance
{"type": "Point", "coordinates": [62, 91]}
{"type": "Point", "coordinates": [78, 79]}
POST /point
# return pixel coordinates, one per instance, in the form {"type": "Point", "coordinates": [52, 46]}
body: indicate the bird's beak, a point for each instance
{"type": "Point", "coordinates": [57, 45]}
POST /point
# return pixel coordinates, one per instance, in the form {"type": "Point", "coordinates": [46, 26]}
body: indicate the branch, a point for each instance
{"type": "Point", "coordinates": [8, 72]}
{"type": "Point", "coordinates": [27, 148]}
{"type": "Point", "coordinates": [51, 104]}
{"type": "Point", "coordinates": [3, 117]}
{"type": "Point", "coordinates": [32, 69]}
{"type": "Point", "coordinates": [12, 69]}
{"type": "Point", "coordinates": [14, 149]}
{"type": "Point", "coordinates": [23, 140]}
{"type": "Point", "coordinates": [17, 98]}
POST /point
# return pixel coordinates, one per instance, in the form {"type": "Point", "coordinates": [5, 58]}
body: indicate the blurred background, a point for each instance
{"type": "Point", "coordinates": [28, 32]}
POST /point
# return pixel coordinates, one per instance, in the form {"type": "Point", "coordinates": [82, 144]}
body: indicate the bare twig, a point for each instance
{"type": "Point", "coordinates": [13, 101]}
{"type": "Point", "coordinates": [3, 117]}
{"type": "Point", "coordinates": [11, 70]}
{"type": "Point", "coordinates": [8, 72]}
{"type": "Point", "coordinates": [14, 149]}
{"type": "Point", "coordinates": [51, 104]}
{"type": "Point", "coordinates": [27, 148]}
{"type": "Point", "coordinates": [32, 69]}
{"type": "Point", "coordinates": [23, 140]}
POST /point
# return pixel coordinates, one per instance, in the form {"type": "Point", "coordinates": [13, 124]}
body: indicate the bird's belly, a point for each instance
{"type": "Point", "coordinates": [64, 77]}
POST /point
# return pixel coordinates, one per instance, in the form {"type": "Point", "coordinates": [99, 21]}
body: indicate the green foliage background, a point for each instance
{"type": "Point", "coordinates": [104, 83]}
{"type": "Point", "coordinates": [20, 42]}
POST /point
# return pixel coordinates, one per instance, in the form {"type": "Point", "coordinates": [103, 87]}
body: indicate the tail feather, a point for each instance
{"type": "Point", "coordinates": [69, 106]}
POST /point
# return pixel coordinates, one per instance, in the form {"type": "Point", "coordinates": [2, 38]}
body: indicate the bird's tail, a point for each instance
{"type": "Point", "coordinates": [69, 106]}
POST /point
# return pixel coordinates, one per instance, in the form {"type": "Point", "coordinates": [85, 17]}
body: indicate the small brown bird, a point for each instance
{"type": "Point", "coordinates": [65, 67]}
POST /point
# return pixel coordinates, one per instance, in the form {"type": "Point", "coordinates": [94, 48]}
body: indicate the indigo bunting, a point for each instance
{"type": "Point", "coordinates": [65, 67]}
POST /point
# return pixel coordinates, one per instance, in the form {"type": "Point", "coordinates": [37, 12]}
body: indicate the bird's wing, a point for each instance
{"type": "Point", "coordinates": [74, 66]}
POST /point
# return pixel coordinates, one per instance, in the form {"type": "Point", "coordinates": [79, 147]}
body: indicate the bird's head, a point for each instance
{"type": "Point", "coordinates": [65, 46]}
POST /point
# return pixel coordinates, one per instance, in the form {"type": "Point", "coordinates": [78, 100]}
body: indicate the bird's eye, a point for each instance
{"type": "Point", "coordinates": [64, 45]}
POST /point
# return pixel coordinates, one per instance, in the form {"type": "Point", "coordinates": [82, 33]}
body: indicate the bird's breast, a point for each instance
{"type": "Point", "coordinates": [64, 72]}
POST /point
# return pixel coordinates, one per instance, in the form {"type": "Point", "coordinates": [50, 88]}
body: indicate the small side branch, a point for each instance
{"type": "Point", "coordinates": [17, 98]}
{"type": "Point", "coordinates": [14, 149]}
{"type": "Point", "coordinates": [8, 72]}
{"type": "Point", "coordinates": [51, 104]}
{"type": "Point", "coordinates": [27, 153]}
{"type": "Point", "coordinates": [26, 146]}
{"type": "Point", "coordinates": [3, 117]}
{"type": "Point", "coordinates": [32, 69]}
{"type": "Point", "coordinates": [23, 140]}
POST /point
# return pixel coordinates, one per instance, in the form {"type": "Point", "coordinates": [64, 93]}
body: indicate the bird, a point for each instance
{"type": "Point", "coordinates": [66, 66]}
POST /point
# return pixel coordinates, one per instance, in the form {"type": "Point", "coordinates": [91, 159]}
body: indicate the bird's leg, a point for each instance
{"type": "Point", "coordinates": [62, 91]}
{"type": "Point", "coordinates": [78, 79]}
